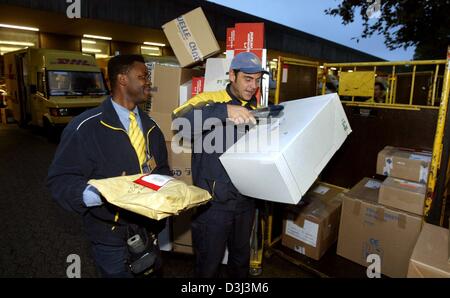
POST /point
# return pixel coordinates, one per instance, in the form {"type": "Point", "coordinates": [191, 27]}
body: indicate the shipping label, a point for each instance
{"type": "Point", "coordinates": [307, 234]}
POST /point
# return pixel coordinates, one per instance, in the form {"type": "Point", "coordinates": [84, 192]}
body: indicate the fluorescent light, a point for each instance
{"type": "Point", "coordinates": [321, 66]}
{"type": "Point", "coordinates": [8, 49]}
{"type": "Point", "coordinates": [101, 56]}
{"type": "Point", "coordinates": [97, 37]}
{"type": "Point", "coordinates": [150, 48]}
{"type": "Point", "coordinates": [88, 41]}
{"type": "Point", "coordinates": [90, 50]}
{"type": "Point", "coordinates": [275, 60]}
{"type": "Point", "coordinates": [333, 68]}
{"type": "Point", "coordinates": [17, 43]}
{"type": "Point", "coordinates": [19, 27]}
{"type": "Point", "coordinates": [350, 70]}
{"type": "Point", "coordinates": [154, 44]}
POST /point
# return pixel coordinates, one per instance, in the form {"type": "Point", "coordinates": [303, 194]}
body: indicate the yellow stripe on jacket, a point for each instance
{"type": "Point", "coordinates": [202, 100]}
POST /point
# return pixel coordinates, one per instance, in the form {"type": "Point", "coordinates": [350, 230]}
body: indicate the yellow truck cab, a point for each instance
{"type": "Point", "coordinates": [47, 88]}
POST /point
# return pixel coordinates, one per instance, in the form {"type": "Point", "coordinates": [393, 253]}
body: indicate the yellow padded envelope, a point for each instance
{"type": "Point", "coordinates": [173, 197]}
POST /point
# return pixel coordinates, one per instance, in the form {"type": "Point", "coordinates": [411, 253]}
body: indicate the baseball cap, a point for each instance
{"type": "Point", "coordinates": [247, 62]}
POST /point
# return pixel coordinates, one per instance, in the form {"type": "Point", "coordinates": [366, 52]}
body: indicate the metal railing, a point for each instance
{"type": "Point", "coordinates": [433, 69]}
{"type": "Point", "coordinates": [284, 61]}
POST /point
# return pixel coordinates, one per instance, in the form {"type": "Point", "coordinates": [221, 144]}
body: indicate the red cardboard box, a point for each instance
{"type": "Point", "coordinates": [249, 36]}
{"type": "Point", "coordinates": [198, 83]}
{"type": "Point", "coordinates": [231, 38]}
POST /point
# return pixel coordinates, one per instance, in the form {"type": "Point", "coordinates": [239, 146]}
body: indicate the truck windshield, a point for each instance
{"type": "Point", "coordinates": [63, 83]}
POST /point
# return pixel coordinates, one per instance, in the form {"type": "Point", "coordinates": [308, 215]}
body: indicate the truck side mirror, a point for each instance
{"type": "Point", "coordinates": [33, 89]}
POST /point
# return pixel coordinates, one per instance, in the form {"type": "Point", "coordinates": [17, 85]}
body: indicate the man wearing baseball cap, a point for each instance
{"type": "Point", "coordinates": [226, 221]}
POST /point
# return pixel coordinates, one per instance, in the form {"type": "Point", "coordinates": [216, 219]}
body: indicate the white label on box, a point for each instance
{"type": "Point", "coordinates": [307, 234]}
{"type": "Point", "coordinates": [423, 174]}
{"type": "Point", "coordinates": [284, 76]}
{"type": "Point", "coordinates": [321, 189]}
{"type": "Point", "coordinates": [373, 184]}
{"type": "Point", "coordinates": [299, 249]}
{"type": "Point", "coordinates": [421, 157]}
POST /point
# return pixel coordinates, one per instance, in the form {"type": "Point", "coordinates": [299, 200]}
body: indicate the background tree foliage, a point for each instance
{"type": "Point", "coordinates": [424, 24]}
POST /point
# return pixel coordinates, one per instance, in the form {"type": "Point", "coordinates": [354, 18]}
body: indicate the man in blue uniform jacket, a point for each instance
{"type": "Point", "coordinates": [226, 221]}
{"type": "Point", "coordinates": [116, 138]}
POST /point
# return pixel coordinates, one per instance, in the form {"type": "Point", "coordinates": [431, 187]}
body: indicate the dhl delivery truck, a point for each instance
{"type": "Point", "coordinates": [47, 88]}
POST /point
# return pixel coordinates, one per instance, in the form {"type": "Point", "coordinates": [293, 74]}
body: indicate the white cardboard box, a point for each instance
{"type": "Point", "coordinates": [185, 92]}
{"type": "Point", "coordinates": [282, 166]}
{"type": "Point", "coordinates": [216, 74]}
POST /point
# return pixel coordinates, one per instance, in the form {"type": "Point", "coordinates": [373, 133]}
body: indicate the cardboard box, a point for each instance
{"type": "Point", "coordinates": [402, 194]}
{"type": "Point", "coordinates": [231, 38]}
{"type": "Point", "coordinates": [166, 82]}
{"type": "Point", "coordinates": [198, 84]}
{"type": "Point", "coordinates": [180, 162]}
{"type": "Point", "coordinates": [429, 258]}
{"type": "Point", "coordinates": [166, 86]}
{"type": "Point", "coordinates": [249, 36]}
{"type": "Point", "coordinates": [285, 157]}
{"type": "Point", "coordinates": [181, 232]}
{"type": "Point", "coordinates": [404, 164]}
{"type": "Point", "coordinates": [312, 229]}
{"type": "Point", "coordinates": [185, 92]}
{"type": "Point", "coordinates": [191, 37]}
{"type": "Point", "coordinates": [246, 37]}
{"type": "Point", "coordinates": [216, 74]}
{"type": "Point", "coordinates": [368, 228]}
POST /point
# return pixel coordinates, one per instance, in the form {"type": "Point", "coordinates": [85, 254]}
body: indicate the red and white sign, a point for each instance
{"type": "Point", "coordinates": [153, 181]}
{"type": "Point", "coordinates": [198, 84]}
{"type": "Point", "coordinates": [249, 36]}
{"type": "Point", "coordinates": [231, 38]}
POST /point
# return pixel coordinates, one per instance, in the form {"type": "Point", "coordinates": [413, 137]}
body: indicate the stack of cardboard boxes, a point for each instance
{"type": "Point", "coordinates": [311, 227]}
{"type": "Point", "coordinates": [192, 40]}
{"type": "Point", "coordinates": [385, 218]}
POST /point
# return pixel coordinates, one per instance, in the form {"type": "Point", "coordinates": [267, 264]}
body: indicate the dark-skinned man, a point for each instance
{"type": "Point", "coordinates": [116, 138]}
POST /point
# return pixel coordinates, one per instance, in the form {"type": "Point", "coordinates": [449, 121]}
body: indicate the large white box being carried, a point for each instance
{"type": "Point", "coordinates": [281, 165]}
